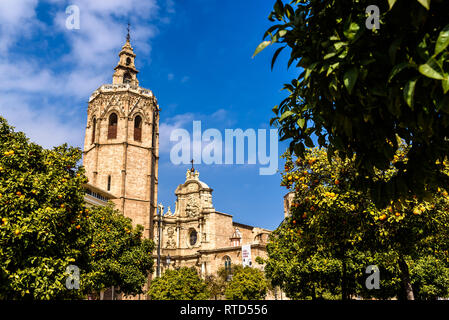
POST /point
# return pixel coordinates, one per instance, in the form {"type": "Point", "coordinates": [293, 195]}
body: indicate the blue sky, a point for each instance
{"type": "Point", "coordinates": [195, 55]}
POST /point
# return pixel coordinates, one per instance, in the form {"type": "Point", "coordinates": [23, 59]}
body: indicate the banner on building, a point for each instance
{"type": "Point", "coordinates": [246, 255]}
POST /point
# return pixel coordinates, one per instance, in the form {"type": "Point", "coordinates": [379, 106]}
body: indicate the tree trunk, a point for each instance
{"type": "Point", "coordinates": [344, 283]}
{"type": "Point", "coordinates": [405, 280]}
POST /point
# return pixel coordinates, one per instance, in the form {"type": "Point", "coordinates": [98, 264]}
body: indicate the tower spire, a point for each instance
{"type": "Point", "coordinates": [125, 71]}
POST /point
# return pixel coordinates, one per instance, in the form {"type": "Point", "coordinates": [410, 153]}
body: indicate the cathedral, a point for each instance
{"type": "Point", "coordinates": [197, 235]}
{"type": "Point", "coordinates": [121, 154]}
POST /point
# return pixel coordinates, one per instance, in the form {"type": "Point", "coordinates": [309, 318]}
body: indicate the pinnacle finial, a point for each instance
{"type": "Point", "coordinates": [193, 169]}
{"type": "Point", "coordinates": [128, 36]}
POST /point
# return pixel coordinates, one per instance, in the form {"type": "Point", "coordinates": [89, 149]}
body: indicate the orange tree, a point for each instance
{"type": "Point", "coordinates": [117, 253]}
{"type": "Point", "coordinates": [247, 284]}
{"type": "Point", "coordinates": [179, 284]}
{"type": "Point", "coordinates": [43, 223]}
{"type": "Point", "coordinates": [44, 227]}
{"type": "Point", "coordinates": [358, 85]}
{"type": "Point", "coordinates": [335, 231]}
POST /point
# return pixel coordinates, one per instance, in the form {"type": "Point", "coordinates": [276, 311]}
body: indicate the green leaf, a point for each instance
{"type": "Point", "coordinates": [350, 78]}
{"type": "Point", "coordinates": [398, 68]}
{"type": "Point", "coordinates": [310, 69]}
{"type": "Point", "coordinates": [432, 69]}
{"type": "Point", "coordinates": [443, 105]}
{"type": "Point", "coordinates": [289, 12]}
{"type": "Point", "coordinates": [391, 3]}
{"type": "Point", "coordinates": [301, 122]}
{"type": "Point", "coordinates": [279, 7]}
{"type": "Point", "coordinates": [299, 149]}
{"type": "Point", "coordinates": [308, 141]}
{"type": "Point", "coordinates": [409, 91]}
{"type": "Point", "coordinates": [332, 68]}
{"type": "Point", "coordinates": [275, 56]}
{"type": "Point", "coordinates": [445, 84]}
{"type": "Point", "coordinates": [443, 40]}
{"type": "Point", "coordinates": [261, 46]}
{"type": "Point", "coordinates": [285, 115]}
{"type": "Point", "coordinates": [352, 32]}
{"type": "Point", "coordinates": [329, 55]}
{"type": "Point", "coordinates": [393, 49]}
{"type": "Point", "coordinates": [425, 3]}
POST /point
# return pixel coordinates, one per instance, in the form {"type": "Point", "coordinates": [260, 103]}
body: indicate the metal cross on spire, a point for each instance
{"type": "Point", "coordinates": [128, 36]}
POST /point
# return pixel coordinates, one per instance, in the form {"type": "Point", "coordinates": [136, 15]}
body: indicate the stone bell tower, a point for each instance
{"type": "Point", "coordinates": [121, 146]}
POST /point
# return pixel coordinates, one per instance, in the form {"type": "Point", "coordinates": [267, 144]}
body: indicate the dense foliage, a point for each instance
{"type": "Point", "coordinates": [178, 284]}
{"type": "Point", "coordinates": [359, 87]}
{"type": "Point", "coordinates": [216, 286]}
{"type": "Point", "coordinates": [45, 227]}
{"type": "Point", "coordinates": [247, 284]}
{"type": "Point", "coordinates": [118, 255]}
{"type": "Point", "coordinates": [43, 222]}
{"type": "Point", "coordinates": [335, 231]}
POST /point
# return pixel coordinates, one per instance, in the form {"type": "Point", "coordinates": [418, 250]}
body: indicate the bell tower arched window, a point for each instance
{"type": "Point", "coordinates": [127, 78]}
{"type": "Point", "coordinates": [112, 127]}
{"type": "Point", "coordinates": [94, 126]}
{"type": "Point", "coordinates": [138, 128]}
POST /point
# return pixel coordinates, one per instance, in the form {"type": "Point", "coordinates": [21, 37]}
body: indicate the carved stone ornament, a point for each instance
{"type": "Point", "coordinates": [192, 187]}
{"type": "Point", "coordinates": [192, 207]}
{"type": "Point", "coordinates": [171, 243]}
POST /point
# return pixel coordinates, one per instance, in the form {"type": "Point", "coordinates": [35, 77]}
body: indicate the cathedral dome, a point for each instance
{"type": "Point", "coordinates": [194, 175]}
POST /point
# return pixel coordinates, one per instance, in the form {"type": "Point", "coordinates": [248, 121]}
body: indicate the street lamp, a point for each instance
{"type": "Point", "coordinates": [228, 270]}
{"type": "Point", "coordinates": [168, 260]}
{"type": "Point", "coordinates": [159, 215]}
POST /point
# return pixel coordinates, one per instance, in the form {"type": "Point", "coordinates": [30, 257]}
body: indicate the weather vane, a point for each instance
{"type": "Point", "coordinates": [193, 169]}
{"type": "Point", "coordinates": [128, 36]}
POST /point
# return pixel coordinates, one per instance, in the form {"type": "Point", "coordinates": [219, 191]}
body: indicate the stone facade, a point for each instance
{"type": "Point", "coordinates": [121, 154]}
{"type": "Point", "coordinates": [197, 235]}
{"type": "Point", "coordinates": [122, 141]}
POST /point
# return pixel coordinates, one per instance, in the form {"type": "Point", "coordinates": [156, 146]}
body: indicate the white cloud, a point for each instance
{"type": "Point", "coordinates": [27, 84]}
{"type": "Point", "coordinates": [45, 126]}
{"type": "Point", "coordinates": [17, 19]}
{"type": "Point", "coordinates": [166, 127]}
